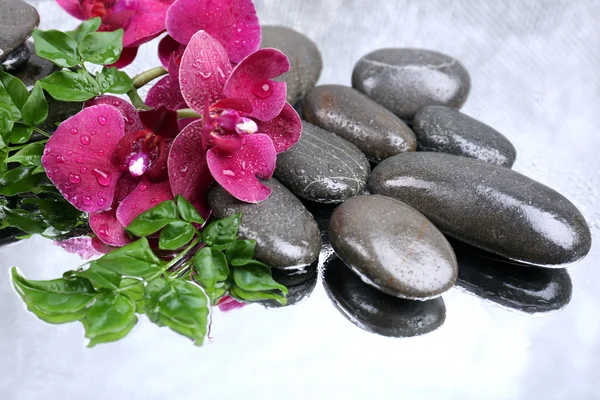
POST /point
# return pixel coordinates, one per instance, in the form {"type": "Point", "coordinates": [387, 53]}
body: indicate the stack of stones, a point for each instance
{"type": "Point", "coordinates": [441, 183]}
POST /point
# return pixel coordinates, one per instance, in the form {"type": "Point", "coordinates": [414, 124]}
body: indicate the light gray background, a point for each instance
{"type": "Point", "coordinates": [535, 76]}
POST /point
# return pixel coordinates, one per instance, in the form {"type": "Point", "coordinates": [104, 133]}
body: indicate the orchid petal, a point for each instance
{"type": "Point", "coordinates": [237, 172]}
{"type": "Point", "coordinates": [204, 69]}
{"type": "Point", "coordinates": [163, 94]}
{"type": "Point", "coordinates": [188, 172]}
{"type": "Point", "coordinates": [284, 130]}
{"type": "Point", "coordinates": [252, 80]}
{"type": "Point", "coordinates": [78, 157]}
{"type": "Point", "coordinates": [81, 245]}
{"type": "Point", "coordinates": [72, 7]}
{"type": "Point", "coordinates": [228, 303]}
{"type": "Point", "coordinates": [167, 47]}
{"type": "Point", "coordinates": [161, 121]}
{"type": "Point", "coordinates": [241, 105]}
{"type": "Point", "coordinates": [234, 23]}
{"type": "Point", "coordinates": [127, 57]}
{"type": "Point", "coordinates": [147, 22]}
{"type": "Point", "coordinates": [130, 114]}
{"type": "Point", "coordinates": [108, 229]}
{"type": "Point", "coordinates": [145, 196]}
{"type": "Point", "coordinates": [185, 122]}
{"type": "Point", "coordinates": [227, 143]}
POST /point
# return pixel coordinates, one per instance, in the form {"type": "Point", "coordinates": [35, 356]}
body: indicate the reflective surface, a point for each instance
{"type": "Point", "coordinates": [535, 78]}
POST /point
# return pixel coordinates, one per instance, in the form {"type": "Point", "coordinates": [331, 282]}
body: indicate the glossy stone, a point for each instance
{"type": "Point", "coordinates": [17, 21]}
{"type": "Point", "coordinates": [376, 312]}
{"type": "Point", "coordinates": [322, 214]}
{"type": "Point", "coordinates": [35, 69]}
{"type": "Point", "coordinates": [286, 234]}
{"type": "Point", "coordinates": [487, 206]}
{"type": "Point", "coordinates": [350, 114]}
{"type": "Point", "coordinates": [393, 247]}
{"type": "Point", "coordinates": [305, 59]}
{"type": "Point", "coordinates": [446, 130]}
{"type": "Point", "coordinates": [300, 283]}
{"type": "Point", "coordinates": [17, 59]}
{"type": "Point", "coordinates": [406, 80]}
{"type": "Point", "coordinates": [532, 290]}
{"type": "Point", "coordinates": [323, 167]}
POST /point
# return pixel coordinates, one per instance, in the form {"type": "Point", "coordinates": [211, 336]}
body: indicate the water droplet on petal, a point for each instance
{"type": "Point", "coordinates": [73, 131]}
{"type": "Point", "coordinates": [80, 160]}
{"type": "Point", "coordinates": [59, 159]}
{"type": "Point", "coordinates": [153, 200]}
{"type": "Point", "coordinates": [100, 152]}
{"type": "Point", "coordinates": [102, 177]}
{"type": "Point", "coordinates": [228, 172]}
{"type": "Point", "coordinates": [262, 91]}
{"type": "Point", "coordinates": [143, 187]}
{"type": "Point", "coordinates": [107, 134]}
{"type": "Point", "coordinates": [70, 152]}
{"type": "Point", "coordinates": [85, 140]}
{"type": "Point", "coordinates": [87, 200]}
{"type": "Point", "coordinates": [102, 120]}
{"type": "Point", "coordinates": [101, 201]}
{"type": "Point", "coordinates": [74, 178]}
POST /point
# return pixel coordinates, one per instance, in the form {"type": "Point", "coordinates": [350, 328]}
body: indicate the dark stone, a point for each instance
{"type": "Point", "coordinates": [17, 59]}
{"type": "Point", "coordinates": [532, 290]}
{"type": "Point", "coordinates": [487, 206]}
{"type": "Point", "coordinates": [446, 130]}
{"type": "Point", "coordinates": [9, 236]}
{"type": "Point", "coordinates": [355, 117]}
{"type": "Point", "coordinates": [377, 312]}
{"type": "Point", "coordinates": [322, 214]}
{"type": "Point", "coordinates": [35, 69]}
{"type": "Point", "coordinates": [406, 80]}
{"type": "Point", "coordinates": [323, 167]}
{"type": "Point", "coordinates": [393, 247]}
{"type": "Point", "coordinates": [300, 283]}
{"type": "Point", "coordinates": [17, 20]}
{"type": "Point", "coordinates": [305, 59]}
{"type": "Point", "coordinates": [286, 234]}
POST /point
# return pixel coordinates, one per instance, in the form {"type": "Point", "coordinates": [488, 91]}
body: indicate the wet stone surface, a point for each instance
{"type": "Point", "coordinates": [323, 167]}
{"type": "Point", "coordinates": [17, 59]}
{"type": "Point", "coordinates": [446, 130]}
{"type": "Point", "coordinates": [35, 69]}
{"type": "Point", "coordinates": [393, 247]}
{"type": "Point", "coordinates": [406, 80]}
{"type": "Point", "coordinates": [355, 117]}
{"type": "Point", "coordinates": [17, 21]}
{"type": "Point", "coordinates": [487, 206]}
{"type": "Point", "coordinates": [300, 283]}
{"type": "Point", "coordinates": [286, 234]}
{"type": "Point", "coordinates": [377, 312]}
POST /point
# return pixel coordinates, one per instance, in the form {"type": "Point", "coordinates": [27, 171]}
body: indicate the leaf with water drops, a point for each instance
{"type": "Point", "coordinates": [111, 80]}
{"type": "Point", "coordinates": [101, 47]}
{"type": "Point", "coordinates": [35, 109]}
{"type": "Point", "coordinates": [21, 134]}
{"type": "Point", "coordinates": [29, 155]}
{"type": "Point", "coordinates": [187, 211]}
{"type": "Point", "coordinates": [10, 109]}
{"type": "Point", "coordinates": [154, 219]}
{"type": "Point", "coordinates": [27, 221]}
{"type": "Point", "coordinates": [110, 318]}
{"type": "Point", "coordinates": [101, 277]}
{"type": "Point", "coordinates": [56, 46]}
{"type": "Point", "coordinates": [86, 27]}
{"type": "Point", "coordinates": [136, 260]}
{"type": "Point", "coordinates": [71, 86]}
{"type": "Point", "coordinates": [14, 88]}
{"type": "Point", "coordinates": [19, 180]}
{"type": "Point", "coordinates": [211, 271]}
{"type": "Point", "coordinates": [176, 235]}
{"type": "Point", "coordinates": [241, 252]}
{"type": "Point", "coordinates": [220, 234]}
{"type": "Point", "coordinates": [57, 212]}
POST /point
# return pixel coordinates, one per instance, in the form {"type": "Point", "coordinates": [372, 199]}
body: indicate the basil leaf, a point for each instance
{"type": "Point", "coordinates": [112, 80]}
{"type": "Point", "coordinates": [135, 291]}
{"type": "Point", "coordinates": [89, 26]}
{"type": "Point", "coordinates": [179, 305]}
{"type": "Point", "coordinates": [15, 89]}
{"type": "Point", "coordinates": [241, 252]}
{"type": "Point", "coordinates": [222, 232]}
{"type": "Point", "coordinates": [57, 212]}
{"type": "Point", "coordinates": [55, 301]}
{"type": "Point", "coordinates": [101, 47]}
{"type": "Point", "coordinates": [176, 235]}
{"type": "Point", "coordinates": [135, 259]}
{"type": "Point", "coordinates": [29, 155]}
{"type": "Point", "coordinates": [35, 109]}
{"type": "Point", "coordinates": [256, 277]}
{"type": "Point", "coordinates": [71, 86]}
{"type": "Point", "coordinates": [248, 296]}
{"type": "Point", "coordinates": [187, 211]}
{"type": "Point", "coordinates": [18, 180]}
{"type": "Point", "coordinates": [21, 134]}
{"type": "Point", "coordinates": [7, 104]}
{"type": "Point", "coordinates": [109, 319]}
{"type": "Point", "coordinates": [211, 268]}
{"type": "Point", "coordinates": [101, 277]}
{"type": "Point", "coordinates": [26, 221]}
{"type": "Point", "coordinates": [56, 46]}
{"type": "Point", "coordinates": [154, 220]}
{"type": "Point", "coordinates": [3, 166]}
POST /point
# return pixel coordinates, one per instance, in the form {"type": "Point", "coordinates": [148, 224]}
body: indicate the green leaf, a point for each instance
{"type": "Point", "coordinates": [56, 46]}
{"type": "Point", "coordinates": [211, 270]}
{"type": "Point", "coordinates": [135, 259]}
{"type": "Point", "coordinates": [101, 277]}
{"type": "Point", "coordinates": [26, 221]}
{"type": "Point", "coordinates": [154, 220]}
{"type": "Point", "coordinates": [15, 89]}
{"type": "Point", "coordinates": [55, 301]}
{"type": "Point", "coordinates": [241, 252]}
{"type": "Point", "coordinates": [102, 47]}
{"type": "Point", "coordinates": [176, 235]}
{"type": "Point", "coordinates": [57, 212]}
{"type": "Point", "coordinates": [7, 104]}
{"type": "Point", "coordinates": [187, 211]}
{"type": "Point", "coordinates": [256, 277]}
{"type": "Point", "coordinates": [109, 319]}
{"type": "Point", "coordinates": [179, 305]}
{"type": "Point", "coordinates": [112, 80]}
{"type": "Point", "coordinates": [18, 180]}
{"type": "Point", "coordinates": [3, 166]}
{"type": "Point", "coordinates": [7, 122]}
{"type": "Point", "coordinates": [28, 155]}
{"type": "Point", "coordinates": [248, 296]}
{"type": "Point", "coordinates": [89, 26]}
{"type": "Point", "coordinates": [35, 109]}
{"type": "Point", "coordinates": [71, 86]}
{"type": "Point", "coordinates": [21, 134]}
{"type": "Point", "coordinates": [135, 291]}
{"type": "Point", "coordinates": [223, 232]}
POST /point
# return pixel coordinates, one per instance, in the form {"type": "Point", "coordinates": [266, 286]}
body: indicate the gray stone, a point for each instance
{"type": "Point", "coordinates": [35, 69]}
{"type": "Point", "coordinates": [305, 59]}
{"type": "Point", "coordinates": [406, 80]}
{"type": "Point", "coordinates": [323, 167]}
{"type": "Point", "coordinates": [355, 117]}
{"type": "Point", "coordinates": [300, 284]}
{"type": "Point", "coordinates": [487, 206]}
{"type": "Point", "coordinates": [377, 312]}
{"type": "Point", "coordinates": [17, 59]}
{"type": "Point", "coordinates": [17, 20]}
{"type": "Point", "coordinates": [446, 130]}
{"type": "Point", "coordinates": [286, 234]}
{"type": "Point", "coordinates": [393, 247]}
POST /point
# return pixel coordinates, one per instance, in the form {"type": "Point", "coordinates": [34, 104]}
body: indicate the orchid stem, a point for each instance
{"type": "Point", "coordinates": [146, 77]}
{"type": "Point", "coordinates": [188, 113]}
{"type": "Point", "coordinates": [41, 132]}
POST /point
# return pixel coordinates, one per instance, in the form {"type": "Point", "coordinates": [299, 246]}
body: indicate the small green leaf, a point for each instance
{"type": "Point", "coordinates": [26, 221]}
{"type": "Point", "coordinates": [71, 86]}
{"type": "Point", "coordinates": [256, 277]}
{"type": "Point", "coordinates": [135, 291]}
{"type": "Point", "coordinates": [241, 252]}
{"type": "Point", "coordinates": [154, 220]}
{"type": "Point", "coordinates": [21, 134]}
{"type": "Point", "coordinates": [89, 26]}
{"type": "Point", "coordinates": [102, 47]}
{"type": "Point", "coordinates": [7, 104]}
{"type": "Point", "coordinates": [135, 259]}
{"type": "Point", "coordinates": [248, 296]}
{"type": "Point", "coordinates": [56, 46]}
{"type": "Point", "coordinates": [109, 319]}
{"type": "Point", "coordinates": [111, 80]}
{"type": "Point", "coordinates": [3, 166]}
{"type": "Point", "coordinates": [211, 269]}
{"type": "Point", "coordinates": [35, 109]}
{"type": "Point", "coordinates": [18, 180]}
{"type": "Point", "coordinates": [222, 232]}
{"type": "Point", "coordinates": [29, 155]}
{"type": "Point", "coordinates": [176, 235]}
{"type": "Point", "coordinates": [57, 212]}
{"type": "Point", "coordinates": [101, 277]}
{"type": "Point", "coordinates": [15, 89]}
{"type": "Point", "coordinates": [179, 305]}
{"type": "Point", "coordinates": [187, 211]}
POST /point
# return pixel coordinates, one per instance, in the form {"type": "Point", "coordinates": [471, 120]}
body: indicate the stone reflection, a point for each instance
{"type": "Point", "coordinates": [300, 284]}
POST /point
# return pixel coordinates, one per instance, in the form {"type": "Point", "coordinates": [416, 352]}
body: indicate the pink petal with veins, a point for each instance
{"type": "Point", "coordinates": [237, 172]}
{"type": "Point", "coordinates": [166, 48]}
{"type": "Point", "coordinates": [78, 158]}
{"type": "Point", "coordinates": [234, 23]}
{"type": "Point", "coordinates": [228, 303]}
{"type": "Point", "coordinates": [284, 130]}
{"type": "Point", "coordinates": [130, 114]}
{"type": "Point", "coordinates": [107, 228]}
{"type": "Point", "coordinates": [204, 70]}
{"type": "Point", "coordinates": [147, 22]}
{"type": "Point", "coordinates": [252, 80]}
{"type": "Point", "coordinates": [72, 7]}
{"type": "Point", "coordinates": [163, 94]}
{"type": "Point", "coordinates": [145, 196]}
{"type": "Point", "coordinates": [127, 57]}
{"type": "Point", "coordinates": [242, 105]}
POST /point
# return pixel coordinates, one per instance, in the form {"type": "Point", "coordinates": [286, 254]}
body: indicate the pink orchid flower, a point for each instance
{"type": "Point", "coordinates": [142, 20]}
{"type": "Point", "coordinates": [248, 124]}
